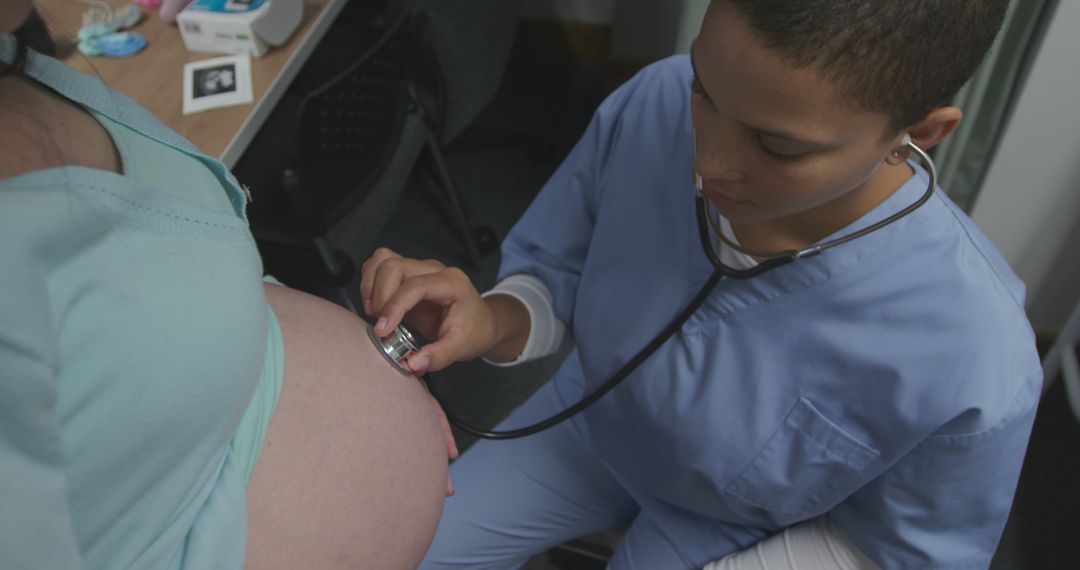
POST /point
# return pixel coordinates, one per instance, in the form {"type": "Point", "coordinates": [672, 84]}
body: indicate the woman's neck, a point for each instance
{"type": "Point", "coordinates": [43, 130]}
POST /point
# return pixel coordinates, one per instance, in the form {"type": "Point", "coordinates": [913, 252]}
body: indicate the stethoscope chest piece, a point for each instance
{"type": "Point", "coordinates": [396, 347]}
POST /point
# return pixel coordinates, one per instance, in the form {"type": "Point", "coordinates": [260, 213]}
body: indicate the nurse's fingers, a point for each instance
{"type": "Point", "coordinates": [367, 274]}
{"type": "Point", "coordinates": [467, 331]}
{"type": "Point", "coordinates": [443, 287]}
{"type": "Point", "coordinates": [384, 270]}
{"type": "Point", "coordinates": [390, 273]}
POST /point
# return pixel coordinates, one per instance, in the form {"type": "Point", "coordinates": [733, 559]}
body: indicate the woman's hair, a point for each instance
{"type": "Point", "coordinates": [17, 64]}
{"type": "Point", "coordinates": [902, 58]}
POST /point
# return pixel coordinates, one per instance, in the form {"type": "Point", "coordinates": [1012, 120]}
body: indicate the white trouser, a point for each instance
{"type": "Point", "coordinates": [817, 544]}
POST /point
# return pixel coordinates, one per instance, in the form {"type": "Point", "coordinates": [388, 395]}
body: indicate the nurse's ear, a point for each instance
{"type": "Point", "coordinates": [932, 129]}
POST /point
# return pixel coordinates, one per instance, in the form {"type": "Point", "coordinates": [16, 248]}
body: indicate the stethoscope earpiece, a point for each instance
{"type": "Point", "coordinates": [905, 143]}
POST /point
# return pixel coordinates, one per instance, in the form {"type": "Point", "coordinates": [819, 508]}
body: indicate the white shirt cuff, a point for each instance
{"type": "Point", "coordinates": [546, 331]}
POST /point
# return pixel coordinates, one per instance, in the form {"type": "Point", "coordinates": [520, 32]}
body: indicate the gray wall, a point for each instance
{"type": "Point", "coordinates": [586, 11]}
{"type": "Point", "coordinates": [1030, 202]}
{"type": "Point", "coordinates": [646, 30]}
{"type": "Point", "coordinates": [642, 30]}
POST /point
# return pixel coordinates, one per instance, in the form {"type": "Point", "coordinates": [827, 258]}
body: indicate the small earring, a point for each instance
{"type": "Point", "coordinates": [896, 154]}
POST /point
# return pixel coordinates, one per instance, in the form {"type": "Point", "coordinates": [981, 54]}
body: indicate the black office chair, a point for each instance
{"type": "Point", "coordinates": [468, 44]}
{"type": "Point", "coordinates": [328, 166]}
{"type": "Point", "coordinates": [322, 149]}
{"type": "Point", "coordinates": [456, 67]}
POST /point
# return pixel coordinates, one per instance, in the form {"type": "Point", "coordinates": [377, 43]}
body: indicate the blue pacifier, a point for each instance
{"type": "Point", "coordinates": [117, 44]}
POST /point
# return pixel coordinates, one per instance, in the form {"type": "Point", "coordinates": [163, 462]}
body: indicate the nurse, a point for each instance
{"type": "Point", "coordinates": [872, 403]}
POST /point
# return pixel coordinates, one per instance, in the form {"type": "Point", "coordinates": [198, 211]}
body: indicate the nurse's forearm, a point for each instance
{"type": "Point", "coordinates": [511, 326]}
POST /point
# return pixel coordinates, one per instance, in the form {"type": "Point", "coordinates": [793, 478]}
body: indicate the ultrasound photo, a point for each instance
{"type": "Point", "coordinates": [214, 80]}
{"type": "Point", "coordinates": [218, 82]}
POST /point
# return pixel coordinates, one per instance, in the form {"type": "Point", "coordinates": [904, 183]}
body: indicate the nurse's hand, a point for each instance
{"type": "Point", "coordinates": [434, 300]}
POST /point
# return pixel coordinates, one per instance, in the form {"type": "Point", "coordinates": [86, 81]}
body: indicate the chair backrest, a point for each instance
{"type": "Point", "coordinates": [470, 43]}
{"type": "Point", "coordinates": [349, 125]}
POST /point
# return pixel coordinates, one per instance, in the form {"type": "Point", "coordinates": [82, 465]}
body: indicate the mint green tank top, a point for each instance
{"type": "Point", "coordinates": [133, 328]}
{"type": "Point", "coordinates": [159, 166]}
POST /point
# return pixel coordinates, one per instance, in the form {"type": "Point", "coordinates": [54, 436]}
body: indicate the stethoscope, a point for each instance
{"type": "Point", "coordinates": [399, 344]}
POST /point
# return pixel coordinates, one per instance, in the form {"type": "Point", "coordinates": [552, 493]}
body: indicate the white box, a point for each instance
{"type": "Point", "coordinates": [238, 26]}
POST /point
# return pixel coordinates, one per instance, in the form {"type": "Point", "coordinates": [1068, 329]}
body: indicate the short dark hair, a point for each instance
{"type": "Point", "coordinates": [903, 58]}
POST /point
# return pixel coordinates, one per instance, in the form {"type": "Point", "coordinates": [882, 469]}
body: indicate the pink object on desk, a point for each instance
{"type": "Point", "coordinates": [170, 8]}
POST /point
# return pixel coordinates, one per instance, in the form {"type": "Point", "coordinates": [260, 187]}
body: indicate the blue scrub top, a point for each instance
{"type": "Point", "coordinates": [891, 381]}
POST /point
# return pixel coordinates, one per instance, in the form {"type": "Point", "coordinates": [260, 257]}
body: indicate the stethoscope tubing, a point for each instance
{"type": "Point", "coordinates": [600, 391]}
{"type": "Point", "coordinates": [720, 271]}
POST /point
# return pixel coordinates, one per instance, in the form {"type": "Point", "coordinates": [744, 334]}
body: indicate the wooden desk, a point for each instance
{"type": "Point", "coordinates": [154, 76]}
